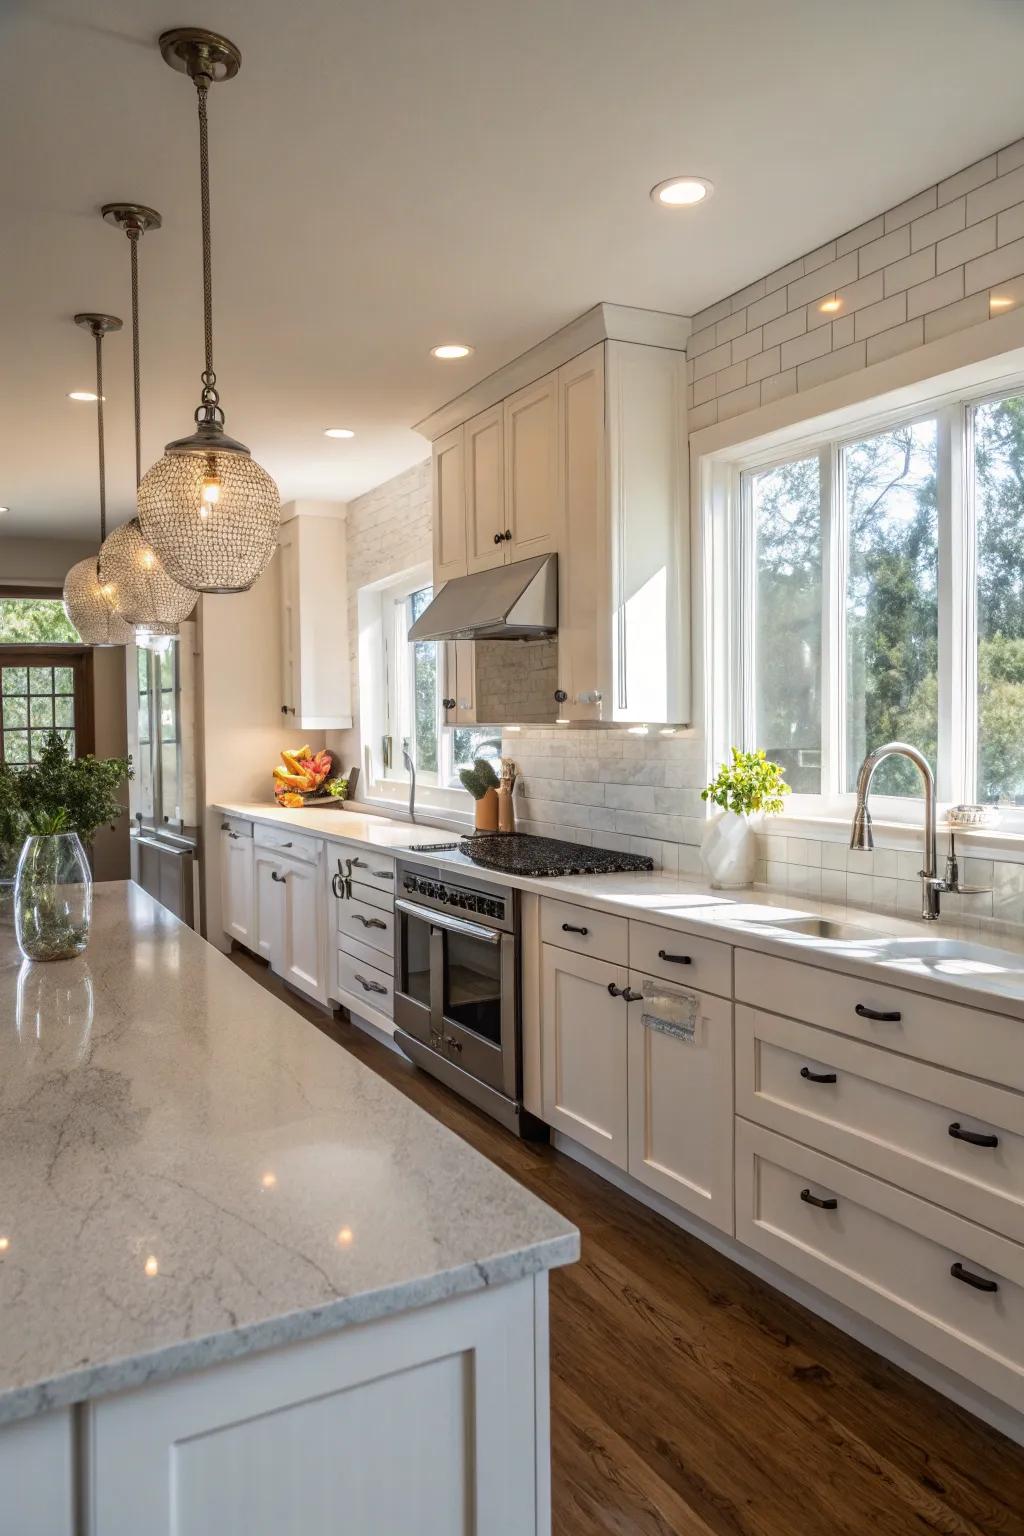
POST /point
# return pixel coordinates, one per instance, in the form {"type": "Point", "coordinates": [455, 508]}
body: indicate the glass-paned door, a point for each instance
{"type": "Point", "coordinates": [41, 691]}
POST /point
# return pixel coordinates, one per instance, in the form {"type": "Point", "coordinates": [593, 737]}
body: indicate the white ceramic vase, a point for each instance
{"type": "Point", "coordinates": [728, 851]}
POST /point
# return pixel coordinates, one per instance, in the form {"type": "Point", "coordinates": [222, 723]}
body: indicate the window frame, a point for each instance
{"type": "Point", "coordinates": [79, 658]}
{"type": "Point", "coordinates": [729, 560]}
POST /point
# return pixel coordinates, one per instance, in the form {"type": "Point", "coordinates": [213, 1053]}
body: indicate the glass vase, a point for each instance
{"type": "Point", "coordinates": [53, 897]}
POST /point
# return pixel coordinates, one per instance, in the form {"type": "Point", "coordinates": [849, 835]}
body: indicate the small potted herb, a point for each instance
{"type": "Point", "coordinates": [482, 783]}
{"type": "Point", "coordinates": [60, 802]}
{"type": "Point", "coordinates": [745, 788]}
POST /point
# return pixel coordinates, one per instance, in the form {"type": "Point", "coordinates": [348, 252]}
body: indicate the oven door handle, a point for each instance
{"type": "Point", "coordinates": [450, 924]}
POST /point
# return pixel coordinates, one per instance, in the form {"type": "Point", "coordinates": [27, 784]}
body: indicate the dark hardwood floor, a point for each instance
{"type": "Point", "coordinates": [690, 1399]}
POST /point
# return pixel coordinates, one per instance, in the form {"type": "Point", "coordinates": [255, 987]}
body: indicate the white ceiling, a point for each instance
{"type": "Point", "coordinates": [389, 174]}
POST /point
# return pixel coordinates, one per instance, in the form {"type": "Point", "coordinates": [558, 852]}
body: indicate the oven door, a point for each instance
{"type": "Point", "coordinates": [455, 991]}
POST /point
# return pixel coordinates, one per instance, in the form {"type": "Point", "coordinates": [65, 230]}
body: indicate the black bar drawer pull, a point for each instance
{"type": "Point", "coordinates": [817, 1077]}
{"type": "Point", "coordinates": [823, 1205]}
{"type": "Point", "coordinates": [370, 986]}
{"type": "Point", "coordinates": [633, 997]}
{"type": "Point", "coordinates": [359, 864]}
{"type": "Point", "coordinates": [569, 928]}
{"type": "Point", "coordinates": [369, 922]}
{"type": "Point", "coordinates": [281, 879]}
{"type": "Point", "coordinates": [976, 1138]}
{"type": "Point", "coordinates": [383, 874]}
{"type": "Point", "coordinates": [879, 1015]}
{"type": "Point", "coordinates": [674, 959]}
{"type": "Point", "coordinates": [959, 1273]}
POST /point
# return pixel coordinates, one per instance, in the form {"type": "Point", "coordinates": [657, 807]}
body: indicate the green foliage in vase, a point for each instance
{"type": "Point", "coordinates": [479, 779]}
{"type": "Point", "coordinates": [748, 783]}
{"type": "Point", "coordinates": [61, 793]}
{"type": "Point", "coordinates": [12, 822]}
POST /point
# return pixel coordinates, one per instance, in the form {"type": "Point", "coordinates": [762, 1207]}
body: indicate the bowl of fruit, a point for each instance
{"type": "Point", "coordinates": [303, 777]}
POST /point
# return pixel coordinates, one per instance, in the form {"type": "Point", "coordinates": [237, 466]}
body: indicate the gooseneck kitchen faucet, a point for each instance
{"type": "Point", "coordinates": [862, 836]}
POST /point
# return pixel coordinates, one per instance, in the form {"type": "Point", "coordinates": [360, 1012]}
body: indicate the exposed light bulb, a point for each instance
{"type": "Point", "coordinates": [147, 559]}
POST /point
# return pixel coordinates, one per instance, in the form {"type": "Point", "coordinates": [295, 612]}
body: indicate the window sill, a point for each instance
{"type": "Point", "coordinates": [1006, 842]}
{"type": "Point", "coordinates": [398, 810]}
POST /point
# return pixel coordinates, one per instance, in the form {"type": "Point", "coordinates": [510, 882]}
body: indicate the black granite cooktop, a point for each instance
{"type": "Point", "coordinates": [520, 853]}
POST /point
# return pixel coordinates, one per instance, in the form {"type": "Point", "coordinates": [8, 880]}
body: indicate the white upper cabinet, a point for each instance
{"type": "Point", "coordinates": [531, 470]}
{"type": "Point", "coordinates": [315, 666]}
{"type": "Point", "coordinates": [588, 460]}
{"type": "Point", "coordinates": [485, 489]}
{"type": "Point", "coordinates": [449, 477]}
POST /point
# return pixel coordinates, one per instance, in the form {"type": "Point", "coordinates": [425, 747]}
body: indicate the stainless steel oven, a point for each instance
{"type": "Point", "coordinates": [457, 985]}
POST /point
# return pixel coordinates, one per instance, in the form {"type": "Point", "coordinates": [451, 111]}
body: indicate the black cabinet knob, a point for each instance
{"type": "Point", "coordinates": [560, 695]}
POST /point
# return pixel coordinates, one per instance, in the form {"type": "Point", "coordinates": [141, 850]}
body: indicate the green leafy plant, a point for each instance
{"type": "Point", "coordinates": [479, 779]}
{"type": "Point", "coordinates": [748, 783]}
{"type": "Point", "coordinates": [61, 793]}
{"type": "Point", "coordinates": [338, 788]}
{"type": "Point", "coordinates": [12, 821]}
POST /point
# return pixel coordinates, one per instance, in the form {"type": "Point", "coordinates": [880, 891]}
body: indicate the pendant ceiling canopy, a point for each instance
{"type": "Point", "coordinates": [152, 602]}
{"type": "Point", "coordinates": [207, 509]}
{"type": "Point", "coordinates": [89, 605]}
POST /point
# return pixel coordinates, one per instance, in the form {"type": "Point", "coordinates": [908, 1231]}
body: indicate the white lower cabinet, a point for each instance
{"type": "Point", "coordinates": [583, 1051]}
{"type": "Point", "coordinates": [236, 890]}
{"type": "Point", "coordinates": [37, 1459]}
{"type": "Point", "coordinates": [681, 1101]}
{"type": "Point", "coordinates": [950, 1288]}
{"type": "Point", "coordinates": [288, 919]}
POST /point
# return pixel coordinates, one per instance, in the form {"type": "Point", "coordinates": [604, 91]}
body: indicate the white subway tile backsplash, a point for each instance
{"type": "Point", "coordinates": [956, 317]}
{"type": "Point", "coordinates": [820, 257]}
{"type": "Point", "coordinates": [732, 325]}
{"type": "Point", "coordinates": [846, 360]}
{"type": "Point", "coordinates": [964, 181]}
{"type": "Point", "coordinates": [785, 328]}
{"type": "Point", "coordinates": [937, 225]}
{"type": "Point", "coordinates": [910, 271]}
{"type": "Point", "coordinates": [823, 281]}
{"type": "Point", "coordinates": [880, 317]}
{"type": "Point", "coordinates": [880, 253]}
{"type": "Point", "coordinates": [833, 884]}
{"type": "Point", "coordinates": [1010, 224]}
{"type": "Point", "coordinates": [842, 332]}
{"type": "Point", "coordinates": [833, 856]}
{"type": "Point", "coordinates": [746, 345]}
{"type": "Point", "coordinates": [900, 339]}
{"type": "Point", "coordinates": [763, 364]}
{"type": "Point", "coordinates": [971, 242]}
{"type": "Point", "coordinates": [862, 235]}
{"type": "Point", "coordinates": [712, 362]}
{"type": "Point", "coordinates": [859, 889]}
{"type": "Point", "coordinates": [854, 296]}
{"type": "Point", "coordinates": [783, 276]}
{"type": "Point", "coordinates": [883, 893]}
{"type": "Point", "coordinates": [985, 271]}
{"type": "Point", "coordinates": [913, 208]}
{"type": "Point", "coordinates": [778, 386]}
{"type": "Point", "coordinates": [733, 377]}
{"type": "Point", "coordinates": [712, 314]}
{"type": "Point", "coordinates": [703, 416]}
{"type": "Point", "coordinates": [1009, 158]}
{"type": "Point", "coordinates": [700, 342]}
{"type": "Point", "coordinates": [703, 389]}
{"type": "Point", "coordinates": [996, 195]}
{"type": "Point", "coordinates": [747, 295]}
{"type": "Point", "coordinates": [803, 348]}
{"type": "Point", "coordinates": [769, 308]}
{"type": "Point", "coordinates": [936, 293]}
{"type": "Point", "coordinates": [738, 401]}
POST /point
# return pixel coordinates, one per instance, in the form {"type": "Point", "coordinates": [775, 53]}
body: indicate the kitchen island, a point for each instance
{"type": "Point", "coordinates": [244, 1283]}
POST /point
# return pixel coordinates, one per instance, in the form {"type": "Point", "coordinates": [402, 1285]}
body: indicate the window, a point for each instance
{"type": "Point", "coordinates": [27, 619]}
{"type": "Point", "coordinates": [401, 688]}
{"type": "Point", "coordinates": [159, 786]}
{"type": "Point", "coordinates": [42, 691]}
{"type": "Point", "coordinates": [880, 597]}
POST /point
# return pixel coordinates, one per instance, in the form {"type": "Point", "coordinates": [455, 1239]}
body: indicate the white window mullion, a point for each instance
{"type": "Point", "coordinates": [955, 767]}
{"type": "Point", "coordinates": [745, 732]}
{"type": "Point", "coordinates": [833, 623]}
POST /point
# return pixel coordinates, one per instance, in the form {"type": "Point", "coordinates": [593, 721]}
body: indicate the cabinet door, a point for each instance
{"type": "Point", "coordinates": [449, 506]}
{"type": "Point", "coordinates": [449, 682]}
{"type": "Point", "coordinates": [531, 469]}
{"type": "Point", "coordinates": [584, 566]}
{"type": "Point", "coordinates": [268, 905]}
{"type": "Point", "coordinates": [681, 1102]}
{"type": "Point", "coordinates": [301, 963]}
{"type": "Point", "coordinates": [465, 683]}
{"type": "Point", "coordinates": [288, 575]}
{"type": "Point", "coordinates": [236, 896]}
{"type": "Point", "coordinates": [485, 489]}
{"type": "Point", "coordinates": [583, 1051]}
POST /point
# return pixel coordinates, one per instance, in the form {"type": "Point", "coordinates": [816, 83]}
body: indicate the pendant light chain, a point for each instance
{"type": "Point", "coordinates": [210, 395]}
{"type": "Point", "coordinates": [98, 336]}
{"type": "Point", "coordinates": [133, 242]}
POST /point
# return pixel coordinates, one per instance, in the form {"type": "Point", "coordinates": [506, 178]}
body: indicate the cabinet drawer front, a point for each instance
{"type": "Point", "coordinates": [235, 827]}
{"type": "Point", "coordinates": [673, 956]}
{"type": "Point", "coordinates": [948, 1034]}
{"type": "Point", "coordinates": [374, 986]}
{"type": "Point", "coordinates": [376, 870]}
{"type": "Point", "coordinates": [888, 1255]}
{"type": "Point", "coordinates": [586, 931]}
{"type": "Point", "coordinates": [900, 1119]}
{"type": "Point", "coordinates": [371, 925]}
{"type": "Point", "coordinates": [297, 844]}
{"type": "Point", "coordinates": [372, 895]}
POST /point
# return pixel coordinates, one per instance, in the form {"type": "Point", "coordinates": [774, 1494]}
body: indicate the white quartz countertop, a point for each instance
{"type": "Point", "coordinates": [192, 1172]}
{"type": "Point", "coordinates": [962, 962]}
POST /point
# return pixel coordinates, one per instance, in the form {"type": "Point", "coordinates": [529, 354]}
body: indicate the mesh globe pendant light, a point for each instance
{"type": "Point", "coordinates": [146, 597]}
{"type": "Point", "coordinates": [207, 509]}
{"type": "Point", "coordinates": [88, 605]}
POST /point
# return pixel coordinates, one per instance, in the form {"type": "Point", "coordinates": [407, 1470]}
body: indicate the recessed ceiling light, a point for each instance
{"type": "Point", "coordinates": [338, 432]}
{"type": "Point", "coordinates": [682, 191]}
{"type": "Point", "coordinates": [451, 349]}
{"type": "Point", "coordinates": [83, 394]}
{"type": "Point", "coordinates": [830, 306]}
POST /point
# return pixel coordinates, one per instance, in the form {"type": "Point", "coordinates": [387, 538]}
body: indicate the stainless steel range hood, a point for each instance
{"type": "Point", "coordinates": [509, 602]}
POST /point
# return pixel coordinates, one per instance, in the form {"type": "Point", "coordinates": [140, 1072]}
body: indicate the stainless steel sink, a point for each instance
{"type": "Point", "coordinates": [825, 928]}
